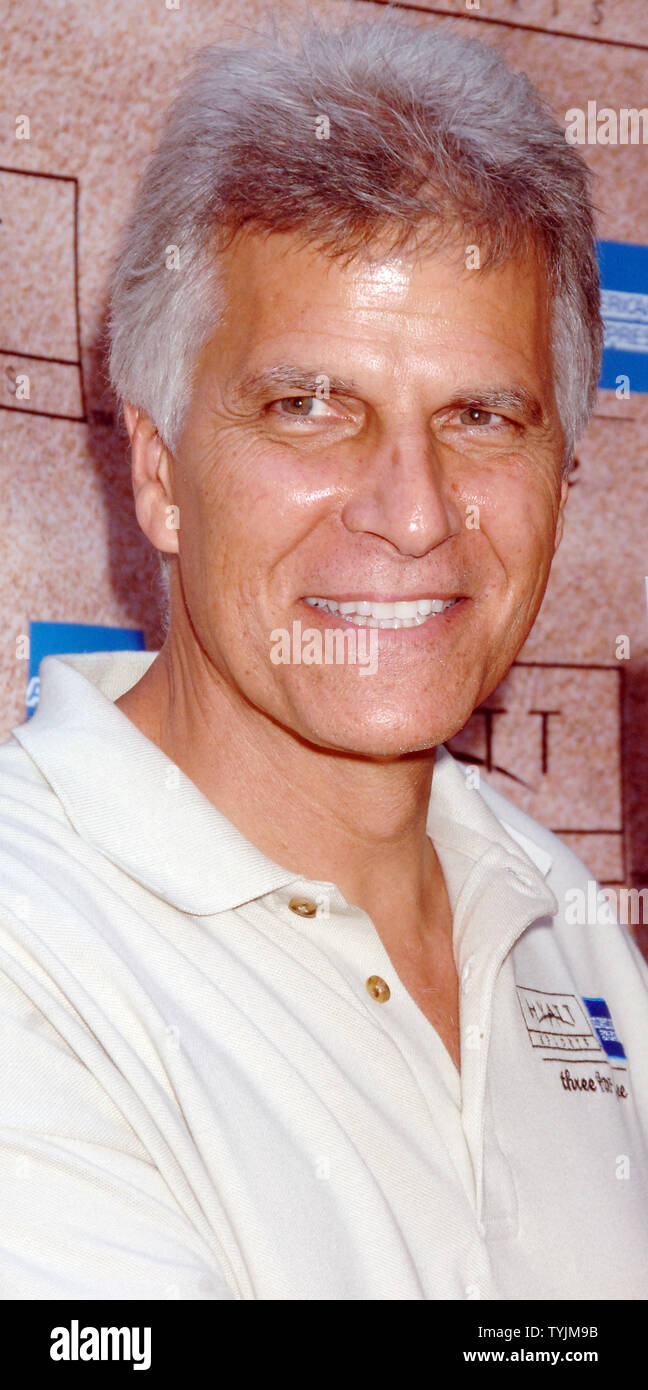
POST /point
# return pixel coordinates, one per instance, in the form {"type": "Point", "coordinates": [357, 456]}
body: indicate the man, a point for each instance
{"type": "Point", "coordinates": [292, 1009]}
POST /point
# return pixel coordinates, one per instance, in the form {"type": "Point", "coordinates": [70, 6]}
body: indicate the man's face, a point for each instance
{"type": "Point", "coordinates": [372, 433]}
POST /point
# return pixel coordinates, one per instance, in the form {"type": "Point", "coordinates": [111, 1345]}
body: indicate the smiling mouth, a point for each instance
{"type": "Point", "coordinates": [396, 614]}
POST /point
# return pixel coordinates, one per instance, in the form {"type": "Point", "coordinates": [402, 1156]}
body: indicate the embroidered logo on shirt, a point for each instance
{"type": "Point", "coordinates": [557, 1022]}
{"type": "Point", "coordinates": [602, 1020]}
{"type": "Point", "coordinates": [562, 1030]}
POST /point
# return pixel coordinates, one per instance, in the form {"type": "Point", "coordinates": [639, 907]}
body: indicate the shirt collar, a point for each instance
{"type": "Point", "coordinates": [127, 799]}
{"type": "Point", "coordinates": [494, 873]}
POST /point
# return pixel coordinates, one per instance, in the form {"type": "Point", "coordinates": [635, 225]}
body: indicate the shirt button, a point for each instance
{"type": "Point", "coordinates": [304, 907]}
{"type": "Point", "coordinates": [378, 989]}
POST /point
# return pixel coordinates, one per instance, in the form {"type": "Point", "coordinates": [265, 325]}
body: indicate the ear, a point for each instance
{"type": "Point", "coordinates": [151, 477]}
{"type": "Point", "coordinates": [564, 493]}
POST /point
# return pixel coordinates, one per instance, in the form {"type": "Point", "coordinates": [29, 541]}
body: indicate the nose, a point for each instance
{"type": "Point", "coordinates": [402, 494]}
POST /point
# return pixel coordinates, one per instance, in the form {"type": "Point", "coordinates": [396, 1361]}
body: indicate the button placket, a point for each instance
{"type": "Point", "coordinates": [499, 1209]}
{"type": "Point", "coordinates": [307, 907]}
{"type": "Point", "coordinates": [475, 1072]}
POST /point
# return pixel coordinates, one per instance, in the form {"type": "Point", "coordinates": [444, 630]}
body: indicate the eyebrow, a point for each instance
{"type": "Point", "coordinates": [515, 398]}
{"type": "Point", "coordinates": [304, 379]}
{"type": "Point", "coordinates": [308, 380]}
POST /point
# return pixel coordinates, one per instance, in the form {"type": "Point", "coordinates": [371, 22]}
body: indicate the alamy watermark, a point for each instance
{"type": "Point", "coordinates": [605, 126]}
{"type": "Point", "coordinates": [602, 907]}
{"type": "Point", "coordinates": [78, 1343]}
{"type": "Point", "coordinates": [335, 646]}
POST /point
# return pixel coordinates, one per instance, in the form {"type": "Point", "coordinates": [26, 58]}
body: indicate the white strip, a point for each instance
{"type": "Point", "coordinates": [623, 304]}
{"type": "Point", "coordinates": [626, 337]}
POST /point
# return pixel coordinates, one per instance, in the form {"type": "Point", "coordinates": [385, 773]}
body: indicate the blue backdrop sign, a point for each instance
{"type": "Point", "coordinates": [624, 304]}
{"type": "Point", "coordinates": [62, 639]}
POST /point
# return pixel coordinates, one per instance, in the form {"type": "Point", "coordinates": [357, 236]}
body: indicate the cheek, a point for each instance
{"type": "Point", "coordinates": [226, 501]}
{"type": "Point", "coordinates": [245, 509]}
{"type": "Point", "coordinates": [519, 521]}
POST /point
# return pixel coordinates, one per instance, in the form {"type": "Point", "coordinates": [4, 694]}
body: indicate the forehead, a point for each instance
{"type": "Point", "coordinates": [280, 291]}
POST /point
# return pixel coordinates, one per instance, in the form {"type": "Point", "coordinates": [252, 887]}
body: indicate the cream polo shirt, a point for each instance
{"type": "Point", "coordinates": [200, 1099]}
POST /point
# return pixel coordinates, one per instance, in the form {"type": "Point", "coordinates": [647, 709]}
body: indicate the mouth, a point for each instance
{"type": "Point", "coordinates": [396, 614]}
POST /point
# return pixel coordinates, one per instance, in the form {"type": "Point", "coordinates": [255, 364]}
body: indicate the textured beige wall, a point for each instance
{"type": "Point", "coordinates": [94, 80]}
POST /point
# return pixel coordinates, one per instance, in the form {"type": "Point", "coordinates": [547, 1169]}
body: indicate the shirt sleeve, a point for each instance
{"type": "Point", "coordinates": [84, 1213]}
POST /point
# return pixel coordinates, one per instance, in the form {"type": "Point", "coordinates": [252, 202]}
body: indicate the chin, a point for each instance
{"type": "Point", "coordinates": [389, 734]}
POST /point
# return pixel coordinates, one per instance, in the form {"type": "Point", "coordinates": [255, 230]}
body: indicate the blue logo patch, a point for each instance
{"type": "Point", "coordinates": [602, 1020]}
{"type": "Point", "coordinates": [624, 306]}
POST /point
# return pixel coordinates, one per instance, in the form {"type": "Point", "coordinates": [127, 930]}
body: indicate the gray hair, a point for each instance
{"type": "Point", "coordinates": [428, 136]}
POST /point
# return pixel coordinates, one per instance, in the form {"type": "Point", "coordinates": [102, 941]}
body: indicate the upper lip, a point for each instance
{"type": "Point", "coordinates": [371, 597]}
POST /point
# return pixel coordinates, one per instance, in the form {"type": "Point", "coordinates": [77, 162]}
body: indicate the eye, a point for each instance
{"type": "Point", "coordinates": [302, 407]}
{"type": "Point", "coordinates": [474, 415]}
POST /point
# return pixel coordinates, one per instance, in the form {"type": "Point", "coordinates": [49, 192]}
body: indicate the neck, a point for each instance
{"type": "Point", "coordinates": [323, 814]}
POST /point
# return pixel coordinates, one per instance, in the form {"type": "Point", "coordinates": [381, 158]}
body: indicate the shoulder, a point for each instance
{"type": "Point", "coordinates": [22, 784]}
{"type": "Point", "coordinates": [32, 818]}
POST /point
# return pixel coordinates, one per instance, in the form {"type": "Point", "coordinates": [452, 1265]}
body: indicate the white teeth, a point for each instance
{"type": "Point", "coordinates": [366, 613]}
